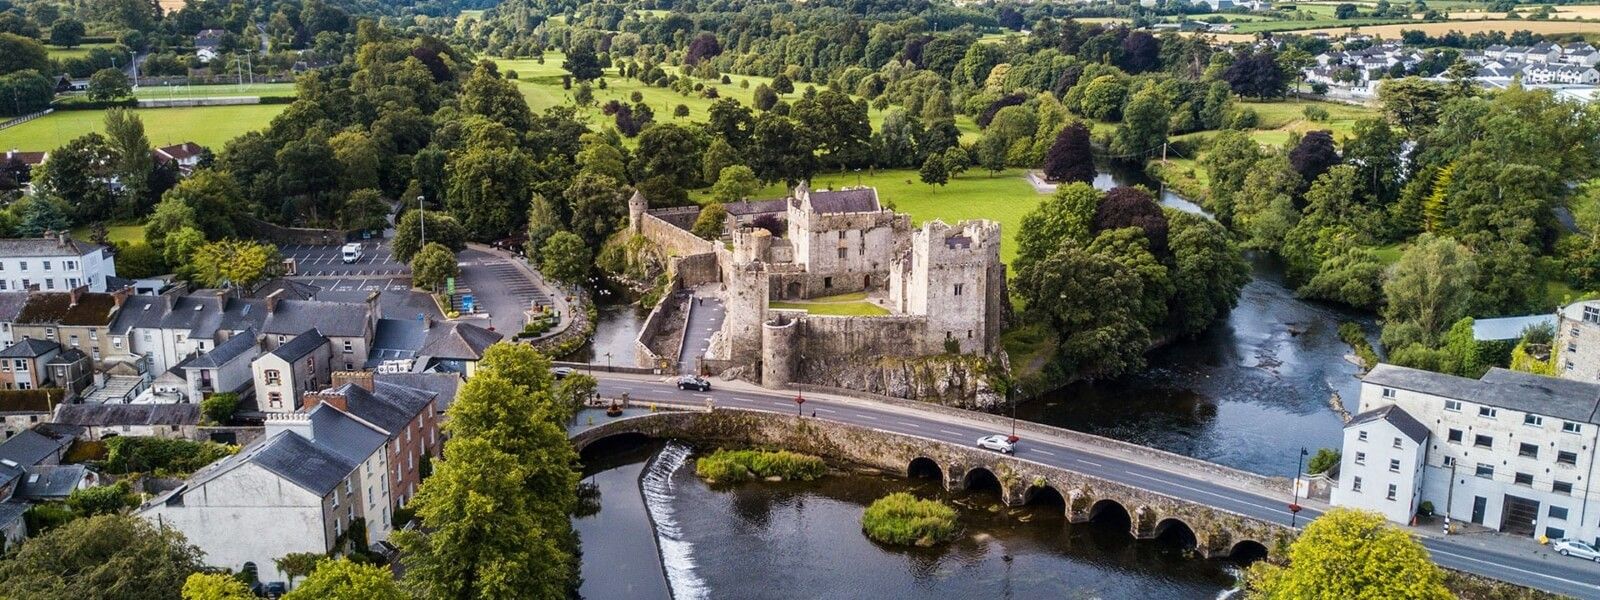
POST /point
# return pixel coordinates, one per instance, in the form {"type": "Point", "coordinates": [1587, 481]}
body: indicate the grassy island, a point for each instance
{"type": "Point", "coordinates": [903, 519]}
{"type": "Point", "coordinates": [734, 466]}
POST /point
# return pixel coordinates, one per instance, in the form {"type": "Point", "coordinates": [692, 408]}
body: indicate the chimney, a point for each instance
{"type": "Point", "coordinates": [61, 238]}
{"type": "Point", "coordinates": [361, 378]}
{"type": "Point", "coordinates": [273, 298]}
{"type": "Point", "coordinates": [300, 423]}
{"type": "Point", "coordinates": [427, 324]}
{"type": "Point", "coordinates": [121, 296]}
{"type": "Point", "coordinates": [374, 310]}
{"type": "Point", "coordinates": [77, 293]}
{"type": "Point", "coordinates": [311, 399]}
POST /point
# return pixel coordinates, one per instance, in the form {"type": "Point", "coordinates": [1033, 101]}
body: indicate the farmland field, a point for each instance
{"type": "Point", "coordinates": [209, 126]}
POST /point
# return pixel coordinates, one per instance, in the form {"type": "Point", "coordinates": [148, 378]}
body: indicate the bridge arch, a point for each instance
{"type": "Point", "coordinates": [1110, 511]}
{"type": "Point", "coordinates": [981, 478]}
{"type": "Point", "coordinates": [1046, 495]}
{"type": "Point", "coordinates": [614, 441]}
{"type": "Point", "coordinates": [1247, 551]}
{"type": "Point", "coordinates": [1176, 532]}
{"type": "Point", "coordinates": [923, 467]}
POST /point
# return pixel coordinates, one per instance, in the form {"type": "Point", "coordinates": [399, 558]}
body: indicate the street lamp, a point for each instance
{"type": "Point", "coordinates": [799, 404]}
{"type": "Point", "coordinates": [608, 362]}
{"type": "Point", "coordinates": [1294, 485]}
{"type": "Point", "coordinates": [422, 223]}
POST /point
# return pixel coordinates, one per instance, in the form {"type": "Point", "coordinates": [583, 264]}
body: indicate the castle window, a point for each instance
{"type": "Point", "coordinates": [958, 289]}
{"type": "Point", "coordinates": [969, 334]}
{"type": "Point", "coordinates": [844, 253]}
{"type": "Point", "coordinates": [827, 282]}
{"type": "Point", "coordinates": [842, 236]}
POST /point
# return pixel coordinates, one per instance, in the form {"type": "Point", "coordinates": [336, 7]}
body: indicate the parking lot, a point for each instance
{"type": "Point", "coordinates": [499, 287]}
{"type": "Point", "coordinates": [328, 261]}
{"type": "Point", "coordinates": [347, 284]}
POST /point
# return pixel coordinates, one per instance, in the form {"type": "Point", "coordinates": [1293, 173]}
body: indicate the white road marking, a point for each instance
{"type": "Point", "coordinates": [1208, 493]}
{"type": "Point", "coordinates": [826, 410]}
{"type": "Point", "coordinates": [869, 417]}
{"type": "Point", "coordinates": [910, 424]}
{"type": "Point", "coordinates": [1044, 452]}
{"type": "Point", "coordinates": [1092, 464]}
{"type": "Point", "coordinates": [1547, 576]}
{"type": "Point", "coordinates": [949, 432]}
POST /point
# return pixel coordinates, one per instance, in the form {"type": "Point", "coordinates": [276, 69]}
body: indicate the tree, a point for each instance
{"type": "Point", "coordinates": [544, 220]}
{"type": "Point", "coordinates": [710, 222]}
{"type": "Point", "coordinates": [1348, 553]}
{"type": "Point", "coordinates": [234, 263]}
{"type": "Point", "coordinates": [359, 159]}
{"type": "Point", "coordinates": [735, 183]}
{"type": "Point", "coordinates": [215, 586]}
{"type": "Point", "coordinates": [109, 84]}
{"type": "Point", "coordinates": [487, 187]}
{"type": "Point", "coordinates": [837, 125]}
{"type": "Point", "coordinates": [582, 63]}
{"type": "Point", "coordinates": [1103, 98]}
{"type": "Point", "coordinates": [218, 408]}
{"type": "Point", "coordinates": [25, 92]}
{"type": "Point", "coordinates": [1346, 11]}
{"type": "Point", "coordinates": [1353, 277]}
{"type": "Point", "coordinates": [782, 150]}
{"type": "Point", "coordinates": [299, 564]}
{"type": "Point", "coordinates": [1071, 157]}
{"type": "Point", "coordinates": [764, 98]}
{"type": "Point", "coordinates": [433, 265]}
{"type": "Point", "coordinates": [1066, 216]}
{"type": "Point", "coordinates": [1208, 271]}
{"type": "Point", "coordinates": [106, 556]}
{"type": "Point", "coordinates": [669, 150]}
{"type": "Point", "coordinates": [566, 258]}
{"type": "Point", "coordinates": [126, 138]}
{"type": "Point", "coordinates": [1144, 125]}
{"type": "Point", "coordinates": [487, 94]}
{"type": "Point", "coordinates": [216, 206]}
{"type": "Point", "coordinates": [1324, 459]}
{"type": "Point", "coordinates": [782, 85]}
{"type": "Point", "coordinates": [77, 173]}
{"type": "Point", "coordinates": [1066, 292]}
{"type": "Point", "coordinates": [1126, 206]}
{"type": "Point", "coordinates": [1313, 156]}
{"type": "Point", "coordinates": [992, 151]}
{"type": "Point", "coordinates": [440, 228]}
{"type": "Point", "coordinates": [730, 122]}
{"type": "Point", "coordinates": [1429, 289]}
{"type": "Point", "coordinates": [343, 579]}
{"type": "Point", "coordinates": [598, 205]}
{"type": "Point", "coordinates": [704, 46]}
{"type": "Point", "coordinates": [179, 247]}
{"type": "Point", "coordinates": [934, 171]}
{"type": "Point", "coordinates": [1413, 103]}
{"type": "Point", "coordinates": [102, 499]}
{"type": "Point", "coordinates": [364, 210]}
{"type": "Point", "coordinates": [66, 33]}
{"type": "Point", "coordinates": [1375, 152]}
{"type": "Point", "coordinates": [18, 53]}
{"type": "Point", "coordinates": [1256, 74]}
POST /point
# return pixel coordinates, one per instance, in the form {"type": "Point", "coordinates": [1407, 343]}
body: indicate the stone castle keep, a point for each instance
{"type": "Point", "coordinates": [943, 286]}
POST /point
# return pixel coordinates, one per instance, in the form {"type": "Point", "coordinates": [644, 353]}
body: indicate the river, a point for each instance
{"type": "Point", "coordinates": [803, 540]}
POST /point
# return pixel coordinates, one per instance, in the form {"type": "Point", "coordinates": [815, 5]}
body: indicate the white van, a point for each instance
{"type": "Point", "coordinates": [352, 253]}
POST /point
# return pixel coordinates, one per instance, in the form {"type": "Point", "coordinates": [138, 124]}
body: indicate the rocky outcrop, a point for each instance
{"type": "Point", "coordinates": [954, 380]}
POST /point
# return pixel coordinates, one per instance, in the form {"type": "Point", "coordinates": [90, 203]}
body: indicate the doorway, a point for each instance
{"type": "Point", "coordinates": [1518, 515]}
{"type": "Point", "coordinates": [1479, 504]}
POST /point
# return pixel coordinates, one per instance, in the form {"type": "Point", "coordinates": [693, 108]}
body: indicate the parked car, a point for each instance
{"type": "Point", "coordinates": [997, 443]}
{"type": "Point", "coordinates": [351, 252]}
{"type": "Point", "coordinates": [691, 382]}
{"type": "Point", "coordinates": [1568, 547]}
{"type": "Point", "coordinates": [562, 372]}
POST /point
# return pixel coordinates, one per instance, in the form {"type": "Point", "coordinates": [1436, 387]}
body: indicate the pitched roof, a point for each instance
{"type": "Point", "coordinates": [31, 159]}
{"type": "Point", "coordinates": [336, 319]}
{"type": "Point", "coordinates": [457, 340]}
{"type": "Point", "coordinates": [395, 339]}
{"type": "Point", "coordinates": [443, 385]}
{"type": "Point", "coordinates": [29, 348]}
{"type": "Point", "coordinates": [50, 482]}
{"type": "Point", "coordinates": [1403, 421]}
{"type": "Point", "coordinates": [1560, 398]}
{"type": "Point", "coordinates": [68, 356]}
{"type": "Point", "coordinates": [203, 314]}
{"type": "Point", "coordinates": [390, 406]}
{"type": "Point", "coordinates": [345, 436]}
{"type": "Point", "coordinates": [311, 466]}
{"type": "Point", "coordinates": [45, 247]}
{"type": "Point", "coordinates": [302, 344]}
{"type": "Point", "coordinates": [57, 308]}
{"type": "Point", "coordinates": [845, 201]}
{"type": "Point", "coordinates": [110, 415]}
{"type": "Point", "coordinates": [29, 447]}
{"type": "Point", "coordinates": [756, 207]}
{"type": "Point", "coordinates": [11, 305]}
{"type": "Point", "coordinates": [239, 345]}
{"type": "Point", "coordinates": [11, 511]}
{"type": "Point", "coordinates": [181, 151]}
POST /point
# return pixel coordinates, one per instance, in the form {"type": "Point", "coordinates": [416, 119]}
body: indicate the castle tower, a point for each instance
{"type": "Point", "coordinates": [953, 275]}
{"type": "Point", "coordinates": [636, 207]}
{"type": "Point", "coordinates": [778, 352]}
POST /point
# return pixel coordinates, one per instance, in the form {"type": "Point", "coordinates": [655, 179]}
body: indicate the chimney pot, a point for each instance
{"type": "Point", "coordinates": [76, 294]}
{"type": "Point", "coordinates": [311, 399]}
{"type": "Point", "coordinates": [273, 298]}
{"type": "Point", "coordinates": [361, 378]}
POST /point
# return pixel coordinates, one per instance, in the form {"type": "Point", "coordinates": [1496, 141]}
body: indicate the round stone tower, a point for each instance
{"type": "Point", "coordinates": [778, 336]}
{"type": "Point", "coordinates": [636, 207]}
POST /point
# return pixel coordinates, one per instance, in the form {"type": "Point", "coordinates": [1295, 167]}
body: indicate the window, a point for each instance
{"type": "Point", "coordinates": [282, 338]}
{"type": "Point", "coordinates": [844, 253]}
{"type": "Point", "coordinates": [1450, 405]}
{"type": "Point", "coordinates": [23, 385]}
{"type": "Point", "coordinates": [1558, 512]}
{"type": "Point", "coordinates": [1571, 427]}
{"type": "Point", "coordinates": [1361, 435]}
{"type": "Point", "coordinates": [272, 377]}
{"type": "Point", "coordinates": [842, 235]}
{"type": "Point", "coordinates": [1448, 461]}
{"type": "Point", "coordinates": [46, 264]}
{"type": "Point", "coordinates": [958, 289]}
{"type": "Point", "coordinates": [1562, 487]}
{"type": "Point", "coordinates": [1394, 465]}
{"type": "Point", "coordinates": [1397, 442]}
{"type": "Point", "coordinates": [349, 347]}
{"type": "Point", "coordinates": [1590, 313]}
{"type": "Point", "coordinates": [1565, 457]}
{"type": "Point", "coordinates": [827, 282]}
{"type": "Point", "coordinates": [22, 265]}
{"type": "Point", "coordinates": [1532, 420]}
{"type": "Point", "coordinates": [348, 489]}
{"type": "Point", "coordinates": [74, 341]}
{"type": "Point", "coordinates": [1392, 491]}
{"type": "Point", "coordinates": [1487, 412]}
{"type": "Point", "coordinates": [1389, 393]}
{"type": "Point", "coordinates": [1573, 331]}
{"type": "Point", "coordinates": [1485, 471]}
{"type": "Point", "coordinates": [116, 342]}
{"type": "Point", "coordinates": [1355, 485]}
{"type": "Point", "coordinates": [1483, 441]}
{"type": "Point", "coordinates": [337, 531]}
{"type": "Point", "coordinates": [69, 264]}
{"type": "Point", "coordinates": [1524, 479]}
{"type": "Point", "coordinates": [1527, 450]}
{"type": "Point", "coordinates": [336, 500]}
{"type": "Point", "coordinates": [72, 282]}
{"type": "Point", "coordinates": [94, 334]}
{"type": "Point", "coordinates": [1572, 346]}
{"type": "Point", "coordinates": [1455, 436]}
{"type": "Point", "coordinates": [49, 283]}
{"type": "Point", "coordinates": [1555, 533]}
{"type": "Point", "coordinates": [50, 334]}
{"type": "Point", "coordinates": [275, 399]}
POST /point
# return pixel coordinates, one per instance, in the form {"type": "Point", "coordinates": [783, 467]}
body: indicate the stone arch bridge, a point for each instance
{"type": "Point", "coordinates": [1212, 532]}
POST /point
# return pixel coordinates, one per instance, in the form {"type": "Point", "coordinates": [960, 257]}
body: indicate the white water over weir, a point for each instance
{"type": "Point", "coordinates": [677, 555]}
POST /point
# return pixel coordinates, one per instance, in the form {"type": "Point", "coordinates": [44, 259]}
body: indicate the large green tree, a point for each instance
{"type": "Point", "coordinates": [565, 258]}
{"type": "Point", "coordinates": [343, 579]}
{"type": "Point", "coordinates": [415, 226]}
{"type": "Point", "coordinates": [1208, 271]}
{"type": "Point", "coordinates": [1429, 289]}
{"type": "Point", "coordinates": [18, 53]}
{"type": "Point", "coordinates": [1348, 553]}
{"type": "Point", "coordinates": [487, 188]}
{"type": "Point", "coordinates": [125, 135]}
{"type": "Point", "coordinates": [101, 558]}
{"type": "Point", "coordinates": [239, 263]}
{"type": "Point", "coordinates": [433, 265]}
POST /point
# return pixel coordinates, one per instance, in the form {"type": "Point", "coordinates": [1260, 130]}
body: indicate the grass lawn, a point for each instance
{"type": "Point", "coordinates": [1005, 197]}
{"type": "Point", "coordinates": [132, 233]}
{"type": "Point", "coordinates": [209, 126]}
{"type": "Point", "coordinates": [837, 309]}
{"type": "Point", "coordinates": [541, 87]}
{"type": "Point", "coordinates": [215, 91]}
{"type": "Point", "coordinates": [59, 53]}
{"type": "Point", "coordinates": [1289, 116]}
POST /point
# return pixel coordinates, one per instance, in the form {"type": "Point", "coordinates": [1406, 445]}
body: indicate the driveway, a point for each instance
{"type": "Point", "coordinates": [705, 318]}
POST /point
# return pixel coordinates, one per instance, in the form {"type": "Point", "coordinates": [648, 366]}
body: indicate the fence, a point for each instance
{"type": "Point", "coordinates": [25, 118]}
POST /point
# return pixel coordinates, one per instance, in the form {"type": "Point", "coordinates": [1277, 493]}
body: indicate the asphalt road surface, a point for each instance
{"type": "Point", "coordinates": [499, 288]}
{"type": "Point", "coordinates": [1573, 577]}
{"type": "Point", "coordinates": [704, 321]}
{"type": "Point", "coordinates": [328, 261]}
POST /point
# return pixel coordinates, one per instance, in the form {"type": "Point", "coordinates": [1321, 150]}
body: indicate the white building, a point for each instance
{"type": "Point", "coordinates": [1512, 451]}
{"type": "Point", "coordinates": [54, 263]}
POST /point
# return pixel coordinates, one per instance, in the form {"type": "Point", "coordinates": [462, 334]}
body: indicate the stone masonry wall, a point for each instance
{"type": "Point", "coordinates": [675, 240]}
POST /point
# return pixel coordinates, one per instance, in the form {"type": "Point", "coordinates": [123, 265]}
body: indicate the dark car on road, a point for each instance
{"type": "Point", "coordinates": [690, 382]}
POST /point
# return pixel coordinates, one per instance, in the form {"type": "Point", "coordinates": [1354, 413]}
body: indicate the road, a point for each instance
{"type": "Point", "coordinates": [704, 321]}
{"type": "Point", "coordinates": [1580, 579]}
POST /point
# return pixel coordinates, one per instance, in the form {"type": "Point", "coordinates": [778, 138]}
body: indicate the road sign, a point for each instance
{"type": "Point", "coordinates": [466, 303]}
{"type": "Point", "coordinates": [450, 286]}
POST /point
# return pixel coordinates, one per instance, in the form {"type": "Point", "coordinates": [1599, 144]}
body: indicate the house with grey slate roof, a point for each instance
{"type": "Point", "coordinates": [299, 365]}
{"type": "Point", "coordinates": [101, 421]}
{"type": "Point", "coordinates": [223, 369]}
{"type": "Point", "coordinates": [54, 263]}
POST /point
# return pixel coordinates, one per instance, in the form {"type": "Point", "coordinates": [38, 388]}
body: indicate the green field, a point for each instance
{"type": "Point", "coordinates": [214, 91]}
{"type": "Point", "coordinates": [209, 126]}
{"type": "Point", "coordinates": [130, 233]}
{"type": "Point", "coordinates": [1004, 198]}
{"type": "Point", "coordinates": [59, 53]}
{"type": "Point", "coordinates": [541, 87]}
{"type": "Point", "coordinates": [843, 305]}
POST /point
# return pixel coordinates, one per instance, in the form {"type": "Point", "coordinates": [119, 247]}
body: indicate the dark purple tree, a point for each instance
{"type": "Point", "coordinates": [912, 51]}
{"type": "Point", "coordinates": [1126, 206]}
{"type": "Point", "coordinates": [1070, 159]}
{"type": "Point", "coordinates": [1068, 78]}
{"type": "Point", "coordinates": [703, 47]}
{"type": "Point", "coordinates": [1141, 52]}
{"type": "Point", "coordinates": [1256, 74]}
{"type": "Point", "coordinates": [1313, 156]}
{"type": "Point", "coordinates": [1011, 19]}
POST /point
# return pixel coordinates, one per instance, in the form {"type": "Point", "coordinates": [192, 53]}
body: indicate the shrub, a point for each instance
{"type": "Point", "coordinates": [902, 519]}
{"type": "Point", "coordinates": [1353, 335]}
{"type": "Point", "coordinates": [219, 408]}
{"type": "Point", "coordinates": [1316, 113]}
{"type": "Point", "coordinates": [162, 456]}
{"type": "Point", "coordinates": [734, 466]}
{"type": "Point", "coordinates": [1325, 459]}
{"type": "Point", "coordinates": [105, 499]}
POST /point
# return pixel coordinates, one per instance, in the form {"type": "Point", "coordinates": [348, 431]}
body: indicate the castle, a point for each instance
{"type": "Point", "coordinates": [942, 287]}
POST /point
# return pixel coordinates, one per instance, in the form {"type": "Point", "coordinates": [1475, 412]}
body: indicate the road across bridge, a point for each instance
{"type": "Point", "coordinates": [1151, 470]}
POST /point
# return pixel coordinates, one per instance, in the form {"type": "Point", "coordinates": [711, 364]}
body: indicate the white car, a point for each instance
{"type": "Point", "coordinates": [351, 253]}
{"type": "Point", "coordinates": [1576, 548]}
{"type": "Point", "coordinates": [997, 443]}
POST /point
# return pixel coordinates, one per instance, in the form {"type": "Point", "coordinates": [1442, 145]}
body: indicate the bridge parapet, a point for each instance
{"type": "Point", "coordinates": [1215, 532]}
